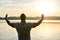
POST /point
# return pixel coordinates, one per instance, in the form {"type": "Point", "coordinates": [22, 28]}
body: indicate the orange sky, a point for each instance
{"type": "Point", "coordinates": [30, 7]}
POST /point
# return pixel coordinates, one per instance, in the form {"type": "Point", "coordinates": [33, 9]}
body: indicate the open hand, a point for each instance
{"type": "Point", "coordinates": [6, 16]}
{"type": "Point", "coordinates": [42, 16]}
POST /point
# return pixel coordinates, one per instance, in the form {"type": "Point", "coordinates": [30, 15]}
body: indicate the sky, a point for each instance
{"type": "Point", "coordinates": [30, 7]}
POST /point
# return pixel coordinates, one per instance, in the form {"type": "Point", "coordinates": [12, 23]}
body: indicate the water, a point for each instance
{"type": "Point", "coordinates": [48, 30]}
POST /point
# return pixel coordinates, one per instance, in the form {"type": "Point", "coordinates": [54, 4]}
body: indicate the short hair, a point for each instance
{"type": "Point", "coordinates": [22, 17]}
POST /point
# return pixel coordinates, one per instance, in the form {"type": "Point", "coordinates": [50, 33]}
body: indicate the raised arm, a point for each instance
{"type": "Point", "coordinates": [39, 22]}
{"type": "Point", "coordinates": [8, 22]}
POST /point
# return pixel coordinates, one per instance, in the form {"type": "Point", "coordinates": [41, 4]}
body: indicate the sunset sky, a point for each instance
{"type": "Point", "coordinates": [30, 7]}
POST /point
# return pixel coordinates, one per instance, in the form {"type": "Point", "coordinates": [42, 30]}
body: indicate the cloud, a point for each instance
{"type": "Point", "coordinates": [18, 3]}
{"type": "Point", "coordinates": [5, 1]}
{"type": "Point", "coordinates": [24, 1]}
{"type": "Point", "coordinates": [15, 3]}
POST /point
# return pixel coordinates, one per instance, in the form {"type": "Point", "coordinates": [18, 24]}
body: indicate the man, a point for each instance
{"type": "Point", "coordinates": [23, 28]}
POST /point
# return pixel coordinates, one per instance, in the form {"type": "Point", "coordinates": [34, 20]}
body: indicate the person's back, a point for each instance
{"type": "Point", "coordinates": [23, 28]}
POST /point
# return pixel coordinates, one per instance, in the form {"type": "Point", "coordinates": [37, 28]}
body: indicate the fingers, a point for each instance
{"type": "Point", "coordinates": [6, 16]}
{"type": "Point", "coordinates": [42, 16]}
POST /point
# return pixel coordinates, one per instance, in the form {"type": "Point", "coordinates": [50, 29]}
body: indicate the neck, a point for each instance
{"type": "Point", "coordinates": [23, 21]}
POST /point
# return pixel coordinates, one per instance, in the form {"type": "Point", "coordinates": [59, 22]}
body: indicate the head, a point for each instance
{"type": "Point", "coordinates": [22, 17]}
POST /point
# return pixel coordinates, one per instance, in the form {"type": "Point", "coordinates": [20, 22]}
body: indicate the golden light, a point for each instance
{"type": "Point", "coordinates": [46, 31]}
{"type": "Point", "coordinates": [45, 8]}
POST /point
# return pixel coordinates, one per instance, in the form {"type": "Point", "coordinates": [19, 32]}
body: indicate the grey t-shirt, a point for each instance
{"type": "Point", "coordinates": [21, 25]}
{"type": "Point", "coordinates": [23, 30]}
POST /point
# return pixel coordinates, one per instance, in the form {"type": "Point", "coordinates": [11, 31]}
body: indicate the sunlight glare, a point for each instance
{"type": "Point", "coordinates": [46, 32]}
{"type": "Point", "coordinates": [45, 8]}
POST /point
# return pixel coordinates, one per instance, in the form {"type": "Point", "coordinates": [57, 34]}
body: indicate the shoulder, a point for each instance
{"type": "Point", "coordinates": [30, 23]}
{"type": "Point", "coordinates": [16, 23]}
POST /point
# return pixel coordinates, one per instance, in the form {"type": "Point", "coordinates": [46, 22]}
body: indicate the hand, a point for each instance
{"type": "Point", "coordinates": [6, 16]}
{"type": "Point", "coordinates": [42, 16]}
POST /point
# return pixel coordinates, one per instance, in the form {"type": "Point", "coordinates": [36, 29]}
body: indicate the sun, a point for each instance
{"type": "Point", "coordinates": [45, 8]}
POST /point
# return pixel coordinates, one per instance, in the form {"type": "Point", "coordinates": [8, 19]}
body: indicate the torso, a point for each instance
{"type": "Point", "coordinates": [23, 30]}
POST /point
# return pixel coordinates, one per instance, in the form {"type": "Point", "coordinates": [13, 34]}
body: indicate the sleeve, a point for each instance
{"type": "Point", "coordinates": [34, 25]}
{"type": "Point", "coordinates": [31, 25]}
{"type": "Point", "coordinates": [14, 25]}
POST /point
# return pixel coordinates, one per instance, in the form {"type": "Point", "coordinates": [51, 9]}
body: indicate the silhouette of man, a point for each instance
{"type": "Point", "coordinates": [23, 28]}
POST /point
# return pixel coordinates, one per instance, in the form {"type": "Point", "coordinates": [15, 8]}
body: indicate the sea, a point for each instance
{"type": "Point", "coordinates": [47, 30]}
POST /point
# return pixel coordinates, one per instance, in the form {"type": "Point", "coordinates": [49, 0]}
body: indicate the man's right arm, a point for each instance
{"type": "Point", "coordinates": [8, 22]}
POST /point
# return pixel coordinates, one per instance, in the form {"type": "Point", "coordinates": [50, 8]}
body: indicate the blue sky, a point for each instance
{"type": "Point", "coordinates": [26, 6]}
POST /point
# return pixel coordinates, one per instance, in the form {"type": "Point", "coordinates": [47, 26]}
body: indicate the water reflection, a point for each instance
{"type": "Point", "coordinates": [45, 31]}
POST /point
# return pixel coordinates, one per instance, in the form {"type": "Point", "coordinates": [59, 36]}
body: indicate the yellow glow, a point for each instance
{"type": "Point", "coordinates": [45, 8]}
{"type": "Point", "coordinates": [46, 31]}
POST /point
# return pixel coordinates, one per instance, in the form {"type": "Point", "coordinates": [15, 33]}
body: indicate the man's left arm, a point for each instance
{"type": "Point", "coordinates": [39, 22]}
